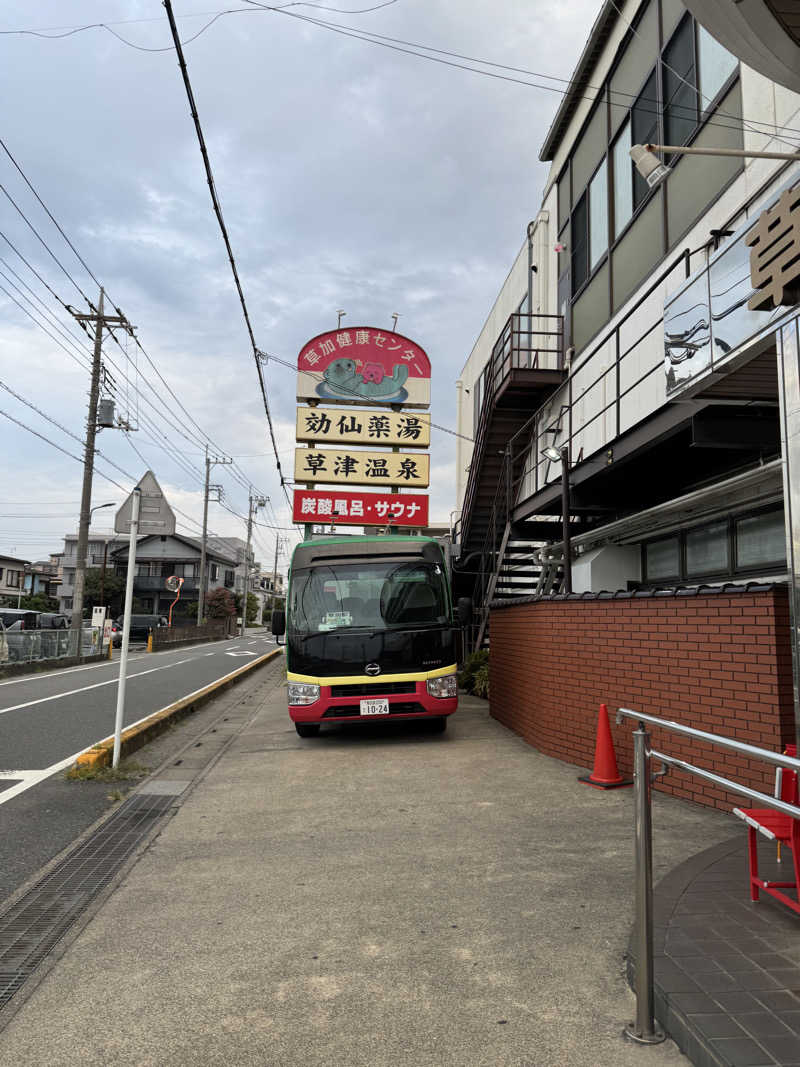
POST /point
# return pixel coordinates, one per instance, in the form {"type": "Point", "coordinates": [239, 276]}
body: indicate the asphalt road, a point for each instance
{"type": "Point", "coordinates": [47, 719]}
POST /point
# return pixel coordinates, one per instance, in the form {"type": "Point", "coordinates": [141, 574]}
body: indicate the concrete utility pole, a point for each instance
{"type": "Point", "coordinates": [100, 321]}
{"type": "Point", "coordinates": [201, 596]}
{"type": "Point", "coordinates": [275, 568]}
{"type": "Point", "coordinates": [256, 502]}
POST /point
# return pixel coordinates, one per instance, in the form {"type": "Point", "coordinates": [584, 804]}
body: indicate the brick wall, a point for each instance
{"type": "Point", "coordinates": [719, 662]}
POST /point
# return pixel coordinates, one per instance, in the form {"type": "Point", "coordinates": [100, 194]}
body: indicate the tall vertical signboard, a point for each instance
{"type": "Point", "coordinates": [341, 375]}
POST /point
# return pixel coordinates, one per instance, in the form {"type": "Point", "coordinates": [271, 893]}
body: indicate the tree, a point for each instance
{"type": "Point", "coordinates": [35, 602]}
{"type": "Point", "coordinates": [113, 591]}
{"type": "Point", "coordinates": [252, 607]}
{"type": "Point", "coordinates": [220, 604]}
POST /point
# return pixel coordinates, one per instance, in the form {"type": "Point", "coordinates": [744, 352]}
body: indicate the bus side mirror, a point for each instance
{"type": "Point", "coordinates": [278, 623]}
{"type": "Point", "coordinates": [464, 610]}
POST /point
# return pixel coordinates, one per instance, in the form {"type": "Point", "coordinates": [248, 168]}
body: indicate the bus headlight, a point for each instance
{"type": "Point", "coordinates": [303, 693]}
{"type": "Point", "coordinates": [446, 686]}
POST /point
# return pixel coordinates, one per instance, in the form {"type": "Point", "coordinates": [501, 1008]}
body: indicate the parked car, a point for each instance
{"type": "Point", "coordinates": [20, 619]}
{"type": "Point", "coordinates": [141, 625]}
{"type": "Point", "coordinates": [50, 620]}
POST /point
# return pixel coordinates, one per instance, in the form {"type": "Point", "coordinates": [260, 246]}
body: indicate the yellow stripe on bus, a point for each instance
{"type": "Point", "coordinates": [359, 679]}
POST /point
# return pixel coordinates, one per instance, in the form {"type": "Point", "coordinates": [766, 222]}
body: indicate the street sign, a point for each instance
{"type": "Point", "coordinates": [349, 466]}
{"type": "Point", "coordinates": [98, 616]}
{"type": "Point", "coordinates": [360, 509]}
{"type": "Point", "coordinates": [364, 365]}
{"type": "Point", "coordinates": [356, 426]}
{"type": "Point", "coordinates": [155, 514]}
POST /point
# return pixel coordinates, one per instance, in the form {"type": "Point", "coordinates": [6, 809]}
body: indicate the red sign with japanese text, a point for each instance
{"type": "Point", "coordinates": [363, 365]}
{"type": "Point", "coordinates": [360, 509]}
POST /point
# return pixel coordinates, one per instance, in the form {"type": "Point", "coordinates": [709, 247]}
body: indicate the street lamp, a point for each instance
{"type": "Point", "coordinates": [97, 507]}
{"type": "Point", "coordinates": [654, 171]}
{"type": "Point", "coordinates": [554, 455]}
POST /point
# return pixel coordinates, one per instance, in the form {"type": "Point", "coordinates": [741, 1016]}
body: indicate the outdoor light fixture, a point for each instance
{"type": "Point", "coordinates": [654, 171]}
{"type": "Point", "coordinates": [554, 455]}
{"type": "Point", "coordinates": [648, 164]}
{"type": "Point", "coordinates": [97, 507]}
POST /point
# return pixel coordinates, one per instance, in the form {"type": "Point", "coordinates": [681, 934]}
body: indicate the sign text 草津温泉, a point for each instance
{"type": "Point", "coordinates": [360, 509]}
{"type": "Point", "coordinates": [343, 466]}
{"type": "Point", "coordinates": [364, 365]}
{"type": "Point", "coordinates": [356, 426]}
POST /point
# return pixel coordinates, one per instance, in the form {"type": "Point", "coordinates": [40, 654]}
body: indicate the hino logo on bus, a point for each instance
{"type": "Point", "coordinates": [372, 668]}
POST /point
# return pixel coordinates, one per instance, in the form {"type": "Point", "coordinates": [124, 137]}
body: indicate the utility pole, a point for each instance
{"type": "Point", "coordinates": [256, 502]}
{"type": "Point", "coordinates": [210, 462]}
{"type": "Point", "coordinates": [275, 569]}
{"type": "Point", "coordinates": [100, 321]}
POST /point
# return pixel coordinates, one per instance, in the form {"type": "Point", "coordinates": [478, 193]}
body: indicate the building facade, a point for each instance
{"type": "Point", "coordinates": [12, 578]}
{"type": "Point", "coordinates": [622, 336]}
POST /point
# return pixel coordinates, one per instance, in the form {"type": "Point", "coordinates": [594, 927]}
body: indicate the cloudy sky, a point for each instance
{"type": "Point", "coordinates": [351, 176]}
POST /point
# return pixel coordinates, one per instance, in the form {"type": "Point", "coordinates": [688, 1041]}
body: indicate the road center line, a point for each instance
{"type": "Point", "coordinates": [97, 685]}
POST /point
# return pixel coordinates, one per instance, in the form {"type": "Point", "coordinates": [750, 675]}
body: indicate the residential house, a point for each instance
{"type": "Point", "coordinates": [99, 552]}
{"type": "Point", "coordinates": [12, 577]}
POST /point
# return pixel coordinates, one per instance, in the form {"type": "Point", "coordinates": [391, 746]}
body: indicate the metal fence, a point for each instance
{"type": "Point", "coordinates": [644, 1029]}
{"type": "Point", "coordinates": [216, 629]}
{"type": "Point", "coordinates": [31, 646]}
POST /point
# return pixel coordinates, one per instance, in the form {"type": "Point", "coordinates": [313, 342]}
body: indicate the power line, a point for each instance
{"type": "Point", "coordinates": [59, 448]}
{"type": "Point", "coordinates": [218, 212]}
{"type": "Point", "coordinates": [42, 327]}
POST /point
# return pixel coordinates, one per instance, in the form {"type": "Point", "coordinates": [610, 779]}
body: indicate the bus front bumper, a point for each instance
{"type": "Point", "coordinates": [346, 700]}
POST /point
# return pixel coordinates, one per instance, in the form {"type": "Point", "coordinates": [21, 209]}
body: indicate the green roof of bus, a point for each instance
{"type": "Point", "coordinates": [363, 539]}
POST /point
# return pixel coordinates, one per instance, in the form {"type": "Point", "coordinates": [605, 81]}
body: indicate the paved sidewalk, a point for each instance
{"type": "Point", "coordinates": [370, 897]}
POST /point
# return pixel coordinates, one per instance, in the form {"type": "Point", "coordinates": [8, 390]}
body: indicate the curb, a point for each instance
{"type": "Point", "coordinates": [140, 733]}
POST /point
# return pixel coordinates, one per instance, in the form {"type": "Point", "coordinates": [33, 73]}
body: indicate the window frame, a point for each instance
{"type": "Point", "coordinates": [603, 99]}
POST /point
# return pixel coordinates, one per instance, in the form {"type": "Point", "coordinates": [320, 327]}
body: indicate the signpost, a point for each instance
{"type": "Point", "coordinates": [360, 509]}
{"type": "Point", "coordinates": [356, 426]}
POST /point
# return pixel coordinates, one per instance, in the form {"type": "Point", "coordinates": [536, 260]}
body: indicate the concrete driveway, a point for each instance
{"type": "Point", "coordinates": [373, 897]}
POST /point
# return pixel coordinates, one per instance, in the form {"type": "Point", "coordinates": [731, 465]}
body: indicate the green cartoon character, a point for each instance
{"type": "Point", "coordinates": [341, 377]}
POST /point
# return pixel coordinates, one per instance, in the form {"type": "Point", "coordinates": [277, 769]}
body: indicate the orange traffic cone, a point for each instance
{"type": "Point", "coordinates": [606, 773]}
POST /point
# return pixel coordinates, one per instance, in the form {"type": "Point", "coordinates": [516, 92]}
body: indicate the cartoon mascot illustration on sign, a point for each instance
{"type": "Point", "coordinates": [341, 378]}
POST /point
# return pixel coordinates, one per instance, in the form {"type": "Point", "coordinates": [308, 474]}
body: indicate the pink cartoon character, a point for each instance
{"type": "Point", "coordinates": [372, 372]}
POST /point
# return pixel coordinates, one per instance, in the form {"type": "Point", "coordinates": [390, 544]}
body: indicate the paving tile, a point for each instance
{"type": "Point", "coordinates": [698, 964]}
{"type": "Point", "coordinates": [792, 1019]}
{"type": "Point", "coordinates": [782, 1048]}
{"type": "Point", "coordinates": [734, 963]}
{"type": "Point", "coordinates": [693, 1003]}
{"type": "Point", "coordinates": [739, 1002]}
{"type": "Point", "coordinates": [743, 1052]}
{"type": "Point", "coordinates": [718, 1025]}
{"type": "Point", "coordinates": [717, 981]}
{"type": "Point", "coordinates": [755, 982]}
{"type": "Point", "coordinates": [763, 1024]}
{"type": "Point", "coordinates": [778, 999]}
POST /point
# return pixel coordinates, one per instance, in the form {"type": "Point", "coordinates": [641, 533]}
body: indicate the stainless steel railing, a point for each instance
{"type": "Point", "coordinates": [644, 1030]}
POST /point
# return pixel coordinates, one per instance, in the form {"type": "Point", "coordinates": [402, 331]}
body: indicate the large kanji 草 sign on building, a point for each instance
{"type": "Point", "coordinates": [360, 509]}
{"type": "Point", "coordinates": [364, 365]}
{"type": "Point", "coordinates": [356, 426]}
{"type": "Point", "coordinates": [343, 466]}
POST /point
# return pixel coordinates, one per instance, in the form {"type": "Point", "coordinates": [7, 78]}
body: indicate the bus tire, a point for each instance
{"type": "Point", "coordinates": [307, 729]}
{"type": "Point", "coordinates": [438, 725]}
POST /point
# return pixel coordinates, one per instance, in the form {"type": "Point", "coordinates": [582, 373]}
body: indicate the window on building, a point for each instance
{"type": "Point", "coordinates": [623, 179]}
{"type": "Point", "coordinates": [679, 73]}
{"type": "Point", "coordinates": [761, 540]}
{"type": "Point", "coordinates": [644, 130]}
{"type": "Point", "coordinates": [230, 577]}
{"type": "Point", "coordinates": [1, 574]}
{"type": "Point", "coordinates": [213, 572]}
{"type": "Point", "coordinates": [663, 558]}
{"type": "Point", "coordinates": [707, 550]}
{"type": "Point", "coordinates": [67, 603]}
{"type": "Point", "coordinates": [598, 215]}
{"type": "Point", "coordinates": [716, 65]}
{"type": "Point", "coordinates": [580, 243]}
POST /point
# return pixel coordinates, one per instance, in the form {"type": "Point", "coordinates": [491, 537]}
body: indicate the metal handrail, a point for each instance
{"type": "Point", "coordinates": [715, 739]}
{"type": "Point", "coordinates": [644, 1029]}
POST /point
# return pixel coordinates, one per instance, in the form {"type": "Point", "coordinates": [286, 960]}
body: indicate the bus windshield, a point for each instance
{"type": "Point", "coordinates": [374, 596]}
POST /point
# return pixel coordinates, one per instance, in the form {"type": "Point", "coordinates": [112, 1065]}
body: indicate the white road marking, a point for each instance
{"type": "Point", "coordinates": [243, 652]}
{"type": "Point", "coordinates": [210, 653]}
{"type": "Point", "coordinates": [34, 777]}
{"type": "Point", "coordinates": [86, 688]}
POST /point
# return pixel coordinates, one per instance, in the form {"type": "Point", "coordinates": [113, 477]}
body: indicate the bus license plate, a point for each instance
{"type": "Point", "coordinates": [374, 707]}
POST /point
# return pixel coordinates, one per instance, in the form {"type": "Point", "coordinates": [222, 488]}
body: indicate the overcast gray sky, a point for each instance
{"type": "Point", "coordinates": [350, 175]}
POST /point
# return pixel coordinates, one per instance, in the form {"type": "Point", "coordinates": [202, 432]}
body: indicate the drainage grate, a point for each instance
{"type": "Point", "coordinates": [38, 920]}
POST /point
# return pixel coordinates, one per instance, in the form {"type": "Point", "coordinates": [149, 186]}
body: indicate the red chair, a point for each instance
{"type": "Point", "coordinates": [775, 827]}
